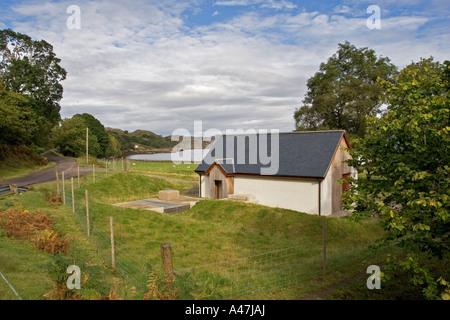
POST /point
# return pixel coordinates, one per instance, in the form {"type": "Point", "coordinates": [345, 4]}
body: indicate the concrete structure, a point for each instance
{"type": "Point", "coordinates": [169, 195]}
{"type": "Point", "coordinates": [170, 207]}
{"type": "Point", "coordinates": [310, 165]}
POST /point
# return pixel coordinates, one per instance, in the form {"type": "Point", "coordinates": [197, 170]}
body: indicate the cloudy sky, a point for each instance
{"type": "Point", "coordinates": [161, 65]}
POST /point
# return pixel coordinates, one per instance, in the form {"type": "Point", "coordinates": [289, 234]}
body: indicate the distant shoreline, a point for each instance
{"type": "Point", "coordinates": [194, 155]}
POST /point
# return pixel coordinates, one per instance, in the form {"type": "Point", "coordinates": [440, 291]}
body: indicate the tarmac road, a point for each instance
{"type": "Point", "coordinates": [66, 165]}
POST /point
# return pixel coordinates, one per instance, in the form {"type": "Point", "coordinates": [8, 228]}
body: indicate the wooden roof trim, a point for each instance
{"type": "Point", "coordinates": [220, 167]}
{"type": "Point", "coordinates": [346, 141]}
{"type": "Point", "coordinates": [344, 137]}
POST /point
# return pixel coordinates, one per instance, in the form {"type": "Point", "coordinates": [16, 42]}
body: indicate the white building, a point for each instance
{"type": "Point", "coordinates": [309, 167]}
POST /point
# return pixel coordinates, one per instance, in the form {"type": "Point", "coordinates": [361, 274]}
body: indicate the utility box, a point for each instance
{"type": "Point", "coordinates": [169, 195]}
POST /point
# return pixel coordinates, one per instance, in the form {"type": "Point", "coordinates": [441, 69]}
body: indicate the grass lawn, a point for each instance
{"type": "Point", "coordinates": [221, 249]}
{"type": "Point", "coordinates": [24, 268]}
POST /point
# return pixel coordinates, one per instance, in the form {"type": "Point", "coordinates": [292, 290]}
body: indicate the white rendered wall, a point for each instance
{"type": "Point", "coordinates": [326, 193]}
{"type": "Point", "coordinates": [203, 186]}
{"type": "Point", "coordinates": [294, 194]}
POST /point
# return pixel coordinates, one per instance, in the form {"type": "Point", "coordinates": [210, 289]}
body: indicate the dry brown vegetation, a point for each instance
{"type": "Point", "coordinates": [35, 227]}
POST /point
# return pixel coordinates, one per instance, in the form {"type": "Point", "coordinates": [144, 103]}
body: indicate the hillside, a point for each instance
{"type": "Point", "coordinates": [145, 140]}
{"type": "Point", "coordinates": [149, 141]}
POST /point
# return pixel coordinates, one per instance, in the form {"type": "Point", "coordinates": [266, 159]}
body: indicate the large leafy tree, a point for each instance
{"type": "Point", "coordinates": [98, 130]}
{"type": "Point", "coordinates": [18, 120]}
{"type": "Point", "coordinates": [30, 67]}
{"type": "Point", "coordinates": [70, 138]}
{"type": "Point", "coordinates": [405, 158]}
{"type": "Point", "coordinates": [345, 91]}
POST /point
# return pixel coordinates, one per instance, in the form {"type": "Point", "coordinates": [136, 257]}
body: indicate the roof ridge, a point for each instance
{"type": "Point", "coordinates": [316, 131]}
{"type": "Point", "coordinates": [294, 132]}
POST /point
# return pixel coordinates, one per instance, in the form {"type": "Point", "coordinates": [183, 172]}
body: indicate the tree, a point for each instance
{"type": "Point", "coordinates": [18, 120]}
{"type": "Point", "coordinates": [406, 160]}
{"type": "Point", "coordinates": [97, 129]}
{"type": "Point", "coordinates": [344, 91]}
{"type": "Point", "coordinates": [70, 138]}
{"type": "Point", "coordinates": [114, 146]}
{"type": "Point", "coordinates": [31, 68]}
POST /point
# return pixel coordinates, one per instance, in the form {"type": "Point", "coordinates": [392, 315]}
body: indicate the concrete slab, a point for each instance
{"type": "Point", "coordinates": [183, 204]}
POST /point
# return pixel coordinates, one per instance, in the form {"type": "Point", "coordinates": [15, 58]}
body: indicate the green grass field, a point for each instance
{"type": "Point", "coordinates": [24, 267]}
{"type": "Point", "coordinates": [181, 171]}
{"type": "Point", "coordinates": [221, 249]}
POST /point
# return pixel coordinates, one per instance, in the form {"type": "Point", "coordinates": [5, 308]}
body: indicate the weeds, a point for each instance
{"type": "Point", "coordinates": [51, 242]}
{"type": "Point", "coordinates": [52, 198]}
{"type": "Point", "coordinates": [157, 289]}
{"type": "Point", "coordinates": [184, 287]}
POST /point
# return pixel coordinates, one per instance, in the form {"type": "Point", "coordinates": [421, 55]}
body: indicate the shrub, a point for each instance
{"type": "Point", "coordinates": [34, 227]}
{"type": "Point", "coordinates": [20, 223]}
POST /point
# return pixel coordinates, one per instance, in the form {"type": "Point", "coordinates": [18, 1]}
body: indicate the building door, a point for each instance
{"type": "Point", "coordinates": [345, 185]}
{"type": "Point", "coordinates": [217, 189]}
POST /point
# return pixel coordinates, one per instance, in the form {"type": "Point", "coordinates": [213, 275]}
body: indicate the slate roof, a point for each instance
{"type": "Point", "coordinates": [301, 154]}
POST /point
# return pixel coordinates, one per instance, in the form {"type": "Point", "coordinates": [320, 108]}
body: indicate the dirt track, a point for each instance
{"type": "Point", "coordinates": [66, 165]}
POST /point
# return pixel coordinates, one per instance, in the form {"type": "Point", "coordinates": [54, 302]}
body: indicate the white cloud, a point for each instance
{"type": "Point", "coordinates": [278, 4]}
{"type": "Point", "coordinates": [272, 4]}
{"type": "Point", "coordinates": [138, 65]}
{"type": "Point", "coordinates": [341, 9]}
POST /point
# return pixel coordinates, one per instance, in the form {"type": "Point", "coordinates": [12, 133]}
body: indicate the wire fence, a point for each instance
{"type": "Point", "coordinates": [6, 288]}
{"type": "Point", "coordinates": [129, 265]}
{"type": "Point", "coordinates": [246, 274]}
{"type": "Point", "coordinates": [251, 275]}
{"type": "Point", "coordinates": [263, 272]}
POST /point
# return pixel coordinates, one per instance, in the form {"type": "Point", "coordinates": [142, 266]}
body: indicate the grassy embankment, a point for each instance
{"type": "Point", "coordinates": [14, 168]}
{"type": "Point", "coordinates": [210, 233]}
{"type": "Point", "coordinates": [180, 171]}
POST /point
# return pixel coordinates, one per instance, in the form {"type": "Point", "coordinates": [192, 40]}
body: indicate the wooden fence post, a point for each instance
{"type": "Point", "coordinates": [106, 163]}
{"type": "Point", "coordinates": [113, 253]}
{"type": "Point", "coordinates": [166, 255]}
{"type": "Point", "coordinates": [93, 171]}
{"type": "Point", "coordinates": [13, 188]}
{"type": "Point", "coordinates": [87, 145]}
{"type": "Point", "coordinates": [73, 196]}
{"type": "Point", "coordinates": [63, 189]}
{"type": "Point", "coordinates": [57, 181]}
{"type": "Point", "coordinates": [324, 251]}
{"type": "Point", "coordinates": [88, 228]}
